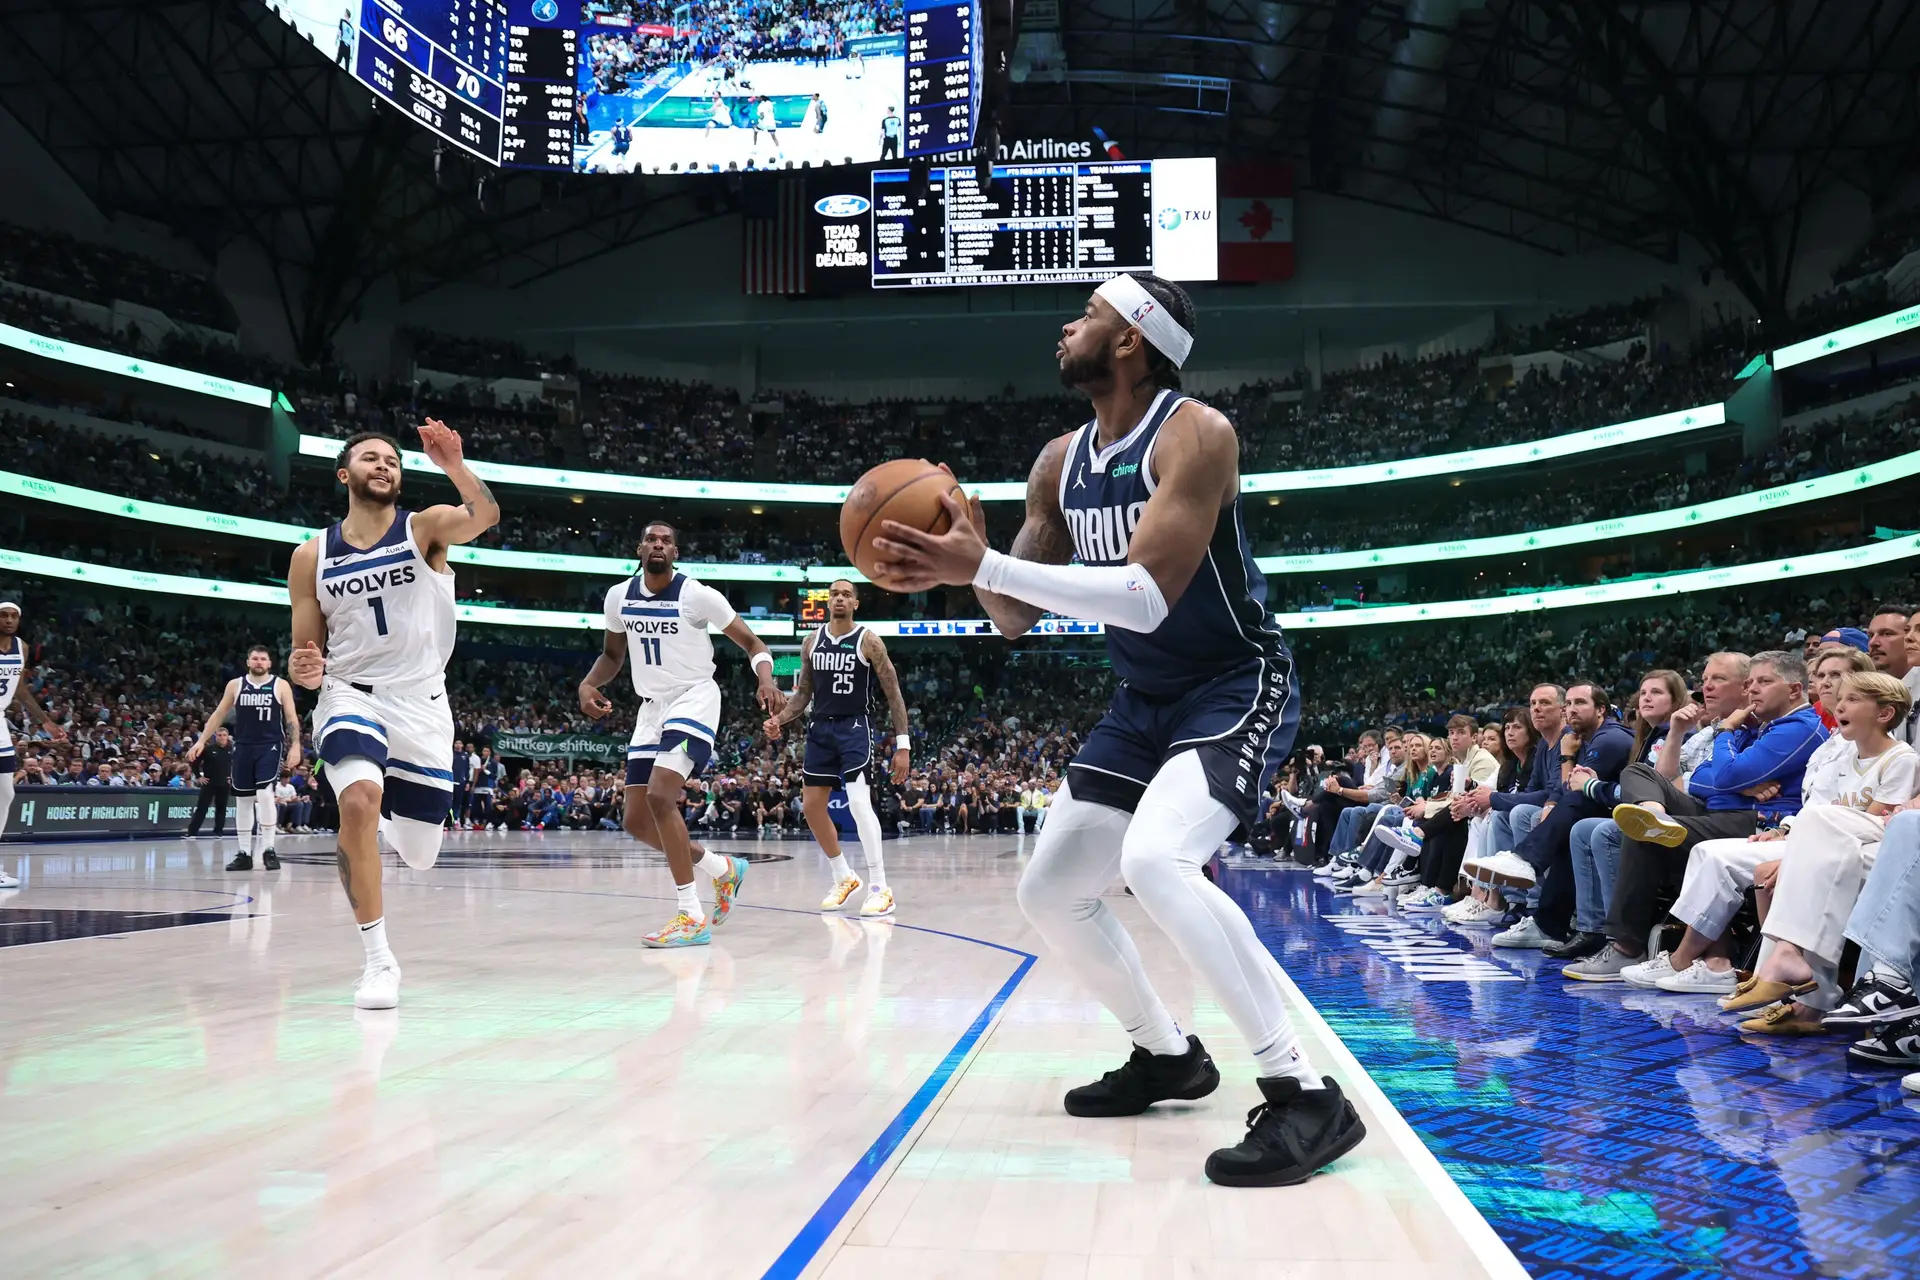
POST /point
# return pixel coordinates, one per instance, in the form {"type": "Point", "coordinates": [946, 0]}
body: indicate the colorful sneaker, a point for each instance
{"type": "Point", "coordinates": [879, 903]}
{"type": "Point", "coordinates": [682, 931]}
{"type": "Point", "coordinates": [725, 888]}
{"type": "Point", "coordinates": [837, 896]}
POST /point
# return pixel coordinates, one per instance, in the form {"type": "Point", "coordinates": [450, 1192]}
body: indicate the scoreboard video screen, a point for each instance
{"type": "Point", "coordinates": [625, 86]}
{"type": "Point", "coordinates": [945, 75]}
{"type": "Point", "coordinates": [1078, 222]}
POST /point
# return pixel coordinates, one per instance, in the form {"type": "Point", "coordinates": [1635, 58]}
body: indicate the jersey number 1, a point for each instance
{"type": "Point", "coordinates": [379, 608]}
{"type": "Point", "coordinates": [650, 650]}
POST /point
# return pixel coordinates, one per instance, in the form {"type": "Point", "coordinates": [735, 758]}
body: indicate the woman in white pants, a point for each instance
{"type": "Point", "coordinates": [1853, 778]}
{"type": "Point", "coordinates": [1818, 884]}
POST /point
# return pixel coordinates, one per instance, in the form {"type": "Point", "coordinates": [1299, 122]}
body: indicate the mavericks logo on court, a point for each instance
{"type": "Point", "coordinates": [846, 206]}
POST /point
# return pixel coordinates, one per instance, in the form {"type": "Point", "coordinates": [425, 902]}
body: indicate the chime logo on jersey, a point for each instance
{"type": "Point", "coordinates": [378, 580]}
{"type": "Point", "coordinates": [1101, 534]}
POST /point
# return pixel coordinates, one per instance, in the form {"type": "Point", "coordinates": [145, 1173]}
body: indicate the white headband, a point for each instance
{"type": "Point", "coordinates": [8, 604]}
{"type": "Point", "coordinates": [1138, 308]}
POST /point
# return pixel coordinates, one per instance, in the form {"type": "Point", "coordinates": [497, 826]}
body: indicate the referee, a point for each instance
{"type": "Point", "coordinates": [216, 784]}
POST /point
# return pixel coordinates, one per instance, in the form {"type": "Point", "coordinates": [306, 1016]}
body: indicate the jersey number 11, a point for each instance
{"type": "Point", "coordinates": [650, 650]}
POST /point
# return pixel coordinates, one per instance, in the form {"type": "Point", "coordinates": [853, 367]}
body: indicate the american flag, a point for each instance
{"type": "Point", "coordinates": [773, 257]}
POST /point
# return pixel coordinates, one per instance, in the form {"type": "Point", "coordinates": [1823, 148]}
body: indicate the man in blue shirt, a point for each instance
{"type": "Point", "coordinates": [1751, 781]}
{"type": "Point", "coordinates": [1593, 744]}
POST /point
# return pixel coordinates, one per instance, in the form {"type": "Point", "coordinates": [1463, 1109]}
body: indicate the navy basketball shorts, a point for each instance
{"type": "Point", "coordinates": [839, 749]}
{"type": "Point", "coordinates": [255, 765]}
{"type": "Point", "coordinates": [1242, 723]}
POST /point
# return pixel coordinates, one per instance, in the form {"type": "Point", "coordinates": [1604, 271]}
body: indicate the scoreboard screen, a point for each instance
{"type": "Point", "coordinates": [1029, 224]}
{"type": "Point", "coordinates": [442, 62]}
{"type": "Point", "coordinates": [945, 74]}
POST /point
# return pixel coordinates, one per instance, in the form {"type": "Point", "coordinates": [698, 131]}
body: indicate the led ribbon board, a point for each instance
{"type": "Point", "coordinates": [1903, 467]}
{"type": "Point", "coordinates": [1846, 560]}
{"type": "Point", "coordinates": [1659, 427]}
{"type": "Point", "coordinates": [1854, 335]}
{"type": "Point", "coordinates": [125, 366]}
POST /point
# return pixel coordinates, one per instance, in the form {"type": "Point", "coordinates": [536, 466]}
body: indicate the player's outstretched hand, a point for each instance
{"type": "Point", "coordinates": [441, 444]}
{"type": "Point", "coordinates": [593, 703]}
{"type": "Point", "coordinates": [772, 701]}
{"type": "Point", "coordinates": [306, 666]}
{"type": "Point", "coordinates": [914, 561]}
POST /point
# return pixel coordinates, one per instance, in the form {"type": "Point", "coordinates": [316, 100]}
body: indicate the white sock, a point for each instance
{"type": "Point", "coordinates": [838, 866]}
{"type": "Point", "coordinates": [374, 938]}
{"type": "Point", "coordinates": [714, 865]}
{"type": "Point", "coordinates": [688, 901]}
{"type": "Point", "coordinates": [264, 817]}
{"type": "Point", "coordinates": [867, 823]}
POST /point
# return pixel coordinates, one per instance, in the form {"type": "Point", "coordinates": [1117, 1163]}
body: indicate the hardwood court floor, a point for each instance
{"type": "Point", "coordinates": [189, 1092]}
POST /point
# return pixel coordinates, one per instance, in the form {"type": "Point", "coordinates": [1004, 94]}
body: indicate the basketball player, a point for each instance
{"type": "Point", "coordinates": [372, 630]}
{"type": "Point", "coordinates": [1147, 496]}
{"type": "Point", "coordinates": [13, 684]}
{"type": "Point", "coordinates": [266, 743]}
{"type": "Point", "coordinates": [840, 663]}
{"type": "Point", "coordinates": [663, 615]}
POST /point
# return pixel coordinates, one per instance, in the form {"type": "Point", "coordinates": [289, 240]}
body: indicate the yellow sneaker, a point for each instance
{"type": "Point", "coordinates": [681, 931]}
{"type": "Point", "coordinates": [837, 896]}
{"type": "Point", "coordinates": [1649, 826]}
{"type": "Point", "coordinates": [879, 903]}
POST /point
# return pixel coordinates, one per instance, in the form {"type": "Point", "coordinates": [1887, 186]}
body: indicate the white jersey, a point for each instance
{"type": "Point", "coordinates": [389, 615]}
{"type": "Point", "coordinates": [13, 673]}
{"type": "Point", "coordinates": [667, 643]}
{"type": "Point", "coordinates": [1853, 783]}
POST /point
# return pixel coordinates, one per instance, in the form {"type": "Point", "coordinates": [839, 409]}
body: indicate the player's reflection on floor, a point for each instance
{"type": "Point", "coordinates": [508, 859]}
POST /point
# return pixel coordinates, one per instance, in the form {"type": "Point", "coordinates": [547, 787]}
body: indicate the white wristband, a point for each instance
{"type": "Point", "coordinates": [903, 743]}
{"type": "Point", "coordinates": [758, 658]}
{"type": "Point", "coordinates": [1120, 595]}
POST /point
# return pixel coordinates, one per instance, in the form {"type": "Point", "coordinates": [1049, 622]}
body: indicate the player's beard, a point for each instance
{"type": "Point", "coordinates": [362, 492]}
{"type": "Point", "coordinates": [1087, 373]}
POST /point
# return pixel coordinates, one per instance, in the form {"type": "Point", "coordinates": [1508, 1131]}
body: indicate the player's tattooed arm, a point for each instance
{"type": "Point", "coordinates": [875, 651]}
{"type": "Point", "coordinates": [1043, 538]}
{"type": "Point", "coordinates": [449, 526]}
{"type": "Point", "coordinates": [218, 718]}
{"type": "Point", "coordinates": [802, 692]}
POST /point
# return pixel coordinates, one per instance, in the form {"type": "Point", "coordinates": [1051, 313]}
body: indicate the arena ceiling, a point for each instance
{"type": "Point", "coordinates": [1564, 124]}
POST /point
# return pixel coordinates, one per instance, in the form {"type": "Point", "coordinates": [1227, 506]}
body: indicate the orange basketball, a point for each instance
{"type": "Point", "coordinates": [907, 490]}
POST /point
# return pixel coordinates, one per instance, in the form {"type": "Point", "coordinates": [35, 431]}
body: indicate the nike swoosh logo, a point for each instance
{"type": "Point", "coordinates": [436, 697]}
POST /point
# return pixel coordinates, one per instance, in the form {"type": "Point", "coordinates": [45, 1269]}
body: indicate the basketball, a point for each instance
{"type": "Point", "coordinates": [907, 490]}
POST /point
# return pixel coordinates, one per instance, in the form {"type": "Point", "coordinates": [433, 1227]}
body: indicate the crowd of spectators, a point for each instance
{"type": "Point", "coordinates": [1597, 326]}
{"type": "Point", "coordinates": [99, 273]}
{"type": "Point", "coordinates": [1689, 804]}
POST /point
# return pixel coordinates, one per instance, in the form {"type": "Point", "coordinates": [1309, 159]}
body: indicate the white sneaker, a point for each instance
{"type": "Point", "coordinates": [1526, 935]}
{"type": "Point", "coordinates": [1697, 979]}
{"type": "Point", "coordinates": [1370, 889]}
{"type": "Point", "coordinates": [1424, 902]}
{"type": "Point", "coordinates": [879, 903]}
{"type": "Point", "coordinates": [379, 985]}
{"type": "Point", "coordinates": [8, 882]}
{"type": "Point", "coordinates": [1648, 973]}
{"type": "Point", "coordinates": [1911, 1083]}
{"type": "Point", "coordinates": [842, 890]}
{"type": "Point", "coordinates": [1472, 911]}
{"type": "Point", "coordinates": [1503, 868]}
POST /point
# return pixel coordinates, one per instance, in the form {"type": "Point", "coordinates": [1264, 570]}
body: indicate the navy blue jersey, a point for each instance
{"type": "Point", "coordinates": [1220, 623]}
{"type": "Point", "coordinates": [257, 721]}
{"type": "Point", "coordinates": [842, 680]}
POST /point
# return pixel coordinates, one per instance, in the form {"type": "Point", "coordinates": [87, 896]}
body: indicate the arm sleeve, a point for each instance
{"type": "Point", "coordinates": [1121, 595]}
{"type": "Point", "coordinates": [1778, 750]}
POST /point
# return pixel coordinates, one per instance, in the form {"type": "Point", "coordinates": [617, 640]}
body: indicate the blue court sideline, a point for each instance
{"type": "Point", "coordinates": [1603, 1130]}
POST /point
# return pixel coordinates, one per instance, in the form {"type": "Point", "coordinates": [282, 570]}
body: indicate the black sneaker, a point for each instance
{"type": "Point", "coordinates": [1578, 947]}
{"type": "Point", "coordinates": [241, 862]}
{"type": "Point", "coordinates": [1146, 1079]}
{"type": "Point", "coordinates": [270, 861]}
{"type": "Point", "coordinates": [1291, 1136]}
{"type": "Point", "coordinates": [1894, 1044]}
{"type": "Point", "coordinates": [1874, 999]}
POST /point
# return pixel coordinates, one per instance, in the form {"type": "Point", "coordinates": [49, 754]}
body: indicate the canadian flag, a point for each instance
{"type": "Point", "coordinates": [1256, 222]}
